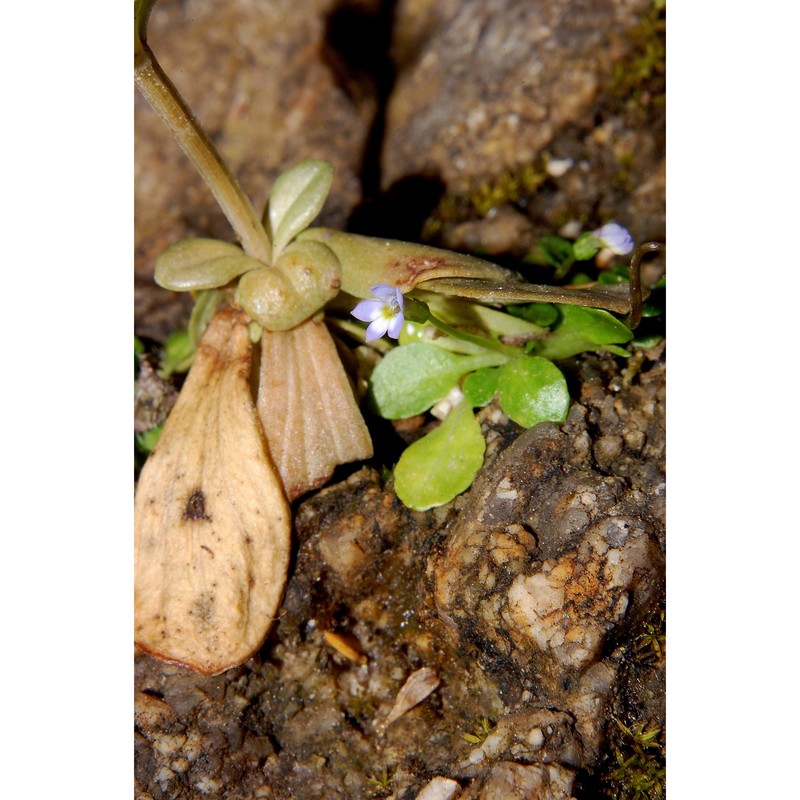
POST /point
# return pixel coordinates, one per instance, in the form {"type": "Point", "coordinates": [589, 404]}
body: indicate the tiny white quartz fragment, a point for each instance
{"type": "Point", "coordinates": [446, 405]}
{"type": "Point", "coordinates": [505, 491]}
{"type": "Point", "coordinates": [557, 167]}
{"type": "Point", "coordinates": [439, 788]}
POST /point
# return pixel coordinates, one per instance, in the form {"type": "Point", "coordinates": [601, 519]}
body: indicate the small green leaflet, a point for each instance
{"type": "Point", "coordinates": [582, 329]}
{"type": "Point", "coordinates": [479, 387]}
{"type": "Point", "coordinates": [586, 246]}
{"type": "Point", "coordinates": [441, 465]}
{"type": "Point", "coordinates": [296, 198]}
{"type": "Point", "coordinates": [553, 251]}
{"type": "Point", "coordinates": [412, 378]}
{"type": "Point", "coordinates": [533, 390]}
{"type": "Point", "coordinates": [147, 440]}
{"type": "Point", "coordinates": [178, 354]}
{"type": "Point", "coordinates": [191, 265]}
{"type": "Point", "coordinates": [543, 314]}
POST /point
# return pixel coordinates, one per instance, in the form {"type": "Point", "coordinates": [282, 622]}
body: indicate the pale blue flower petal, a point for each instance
{"type": "Point", "coordinates": [377, 328]}
{"type": "Point", "coordinates": [384, 314]}
{"type": "Point", "coordinates": [395, 326]}
{"type": "Point", "coordinates": [368, 310]}
{"type": "Point", "coordinates": [385, 293]}
{"type": "Point", "coordinates": [616, 238]}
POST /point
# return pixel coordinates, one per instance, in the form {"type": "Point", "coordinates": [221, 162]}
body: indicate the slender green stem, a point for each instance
{"type": "Point", "coordinates": [166, 101]}
{"type": "Point", "coordinates": [480, 341]}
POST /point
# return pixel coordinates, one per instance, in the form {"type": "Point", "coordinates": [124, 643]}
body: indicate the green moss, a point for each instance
{"type": "Point", "coordinates": [640, 772]}
{"type": "Point", "coordinates": [639, 80]}
{"type": "Point", "coordinates": [479, 732]}
{"type": "Point", "coordinates": [651, 644]}
{"type": "Point", "coordinates": [511, 187]}
{"type": "Point", "coordinates": [380, 783]}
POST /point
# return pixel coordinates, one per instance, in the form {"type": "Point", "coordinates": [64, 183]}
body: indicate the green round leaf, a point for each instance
{"type": "Point", "coordinates": [411, 378]}
{"type": "Point", "coordinates": [441, 465]}
{"type": "Point", "coordinates": [533, 390]}
{"type": "Point", "coordinates": [480, 386]}
{"type": "Point", "coordinates": [582, 329]}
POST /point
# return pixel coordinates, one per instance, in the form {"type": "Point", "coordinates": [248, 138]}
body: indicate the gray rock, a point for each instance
{"type": "Point", "coordinates": [490, 86]}
{"type": "Point", "coordinates": [549, 561]}
{"type": "Point", "coordinates": [496, 80]}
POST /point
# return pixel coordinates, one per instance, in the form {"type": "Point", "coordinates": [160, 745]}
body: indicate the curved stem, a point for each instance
{"type": "Point", "coordinates": [636, 279]}
{"type": "Point", "coordinates": [166, 101]}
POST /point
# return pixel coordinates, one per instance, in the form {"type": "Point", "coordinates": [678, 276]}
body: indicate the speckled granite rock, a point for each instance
{"type": "Point", "coordinates": [552, 560]}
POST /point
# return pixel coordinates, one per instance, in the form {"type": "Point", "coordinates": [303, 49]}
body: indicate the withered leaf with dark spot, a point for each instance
{"type": "Point", "coordinates": [212, 525]}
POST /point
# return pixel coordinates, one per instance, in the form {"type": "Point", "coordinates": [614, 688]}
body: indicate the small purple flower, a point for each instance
{"type": "Point", "coordinates": [616, 238]}
{"type": "Point", "coordinates": [385, 315]}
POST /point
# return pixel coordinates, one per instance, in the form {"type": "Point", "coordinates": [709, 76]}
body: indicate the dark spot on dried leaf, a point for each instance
{"type": "Point", "coordinates": [196, 506]}
{"type": "Point", "coordinates": [203, 607]}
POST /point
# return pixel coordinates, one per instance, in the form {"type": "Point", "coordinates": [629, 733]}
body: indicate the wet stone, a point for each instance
{"type": "Point", "coordinates": [592, 566]}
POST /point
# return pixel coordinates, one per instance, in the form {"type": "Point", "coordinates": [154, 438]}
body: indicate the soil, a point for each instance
{"type": "Point", "coordinates": [525, 618]}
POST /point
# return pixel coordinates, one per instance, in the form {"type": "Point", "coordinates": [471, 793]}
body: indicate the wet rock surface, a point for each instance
{"type": "Point", "coordinates": [536, 598]}
{"type": "Point", "coordinates": [551, 560]}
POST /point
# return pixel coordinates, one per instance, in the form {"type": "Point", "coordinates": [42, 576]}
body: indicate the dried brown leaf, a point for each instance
{"type": "Point", "coordinates": [307, 407]}
{"type": "Point", "coordinates": [417, 687]}
{"type": "Point", "coordinates": [212, 526]}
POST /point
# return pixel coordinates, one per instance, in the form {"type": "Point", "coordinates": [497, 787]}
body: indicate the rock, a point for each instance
{"type": "Point", "coordinates": [538, 736]}
{"type": "Point", "coordinates": [492, 87]}
{"type": "Point", "coordinates": [439, 789]}
{"type": "Point", "coordinates": [507, 779]}
{"type": "Point", "coordinates": [502, 231]}
{"type": "Point", "coordinates": [495, 80]}
{"type": "Point", "coordinates": [549, 575]}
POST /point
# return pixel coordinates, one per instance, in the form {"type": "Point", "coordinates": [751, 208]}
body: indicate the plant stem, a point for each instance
{"type": "Point", "coordinates": [480, 341]}
{"type": "Point", "coordinates": [636, 280]}
{"type": "Point", "coordinates": [166, 101]}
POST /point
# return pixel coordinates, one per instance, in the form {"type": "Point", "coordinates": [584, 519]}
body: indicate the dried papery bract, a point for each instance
{"type": "Point", "coordinates": [417, 687]}
{"type": "Point", "coordinates": [212, 525]}
{"type": "Point", "coordinates": [307, 408]}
